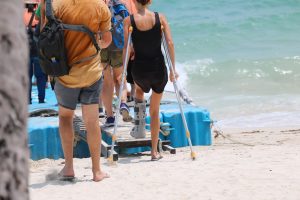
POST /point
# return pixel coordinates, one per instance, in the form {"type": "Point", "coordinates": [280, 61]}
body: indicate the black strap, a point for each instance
{"type": "Point", "coordinates": [84, 29]}
{"type": "Point", "coordinates": [132, 22]}
{"type": "Point", "coordinates": [157, 21]}
{"type": "Point", "coordinates": [49, 12]}
{"type": "Point", "coordinates": [79, 28]}
{"type": "Point", "coordinates": [31, 20]}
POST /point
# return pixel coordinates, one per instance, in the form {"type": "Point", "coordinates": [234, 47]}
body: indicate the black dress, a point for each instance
{"type": "Point", "coordinates": [148, 68]}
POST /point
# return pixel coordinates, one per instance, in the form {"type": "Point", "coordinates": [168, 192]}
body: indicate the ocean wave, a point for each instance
{"type": "Point", "coordinates": [237, 52]}
{"type": "Point", "coordinates": [240, 76]}
{"type": "Point", "coordinates": [243, 68]}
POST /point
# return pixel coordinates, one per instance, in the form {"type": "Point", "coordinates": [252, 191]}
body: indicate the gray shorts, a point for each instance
{"type": "Point", "coordinates": [69, 97]}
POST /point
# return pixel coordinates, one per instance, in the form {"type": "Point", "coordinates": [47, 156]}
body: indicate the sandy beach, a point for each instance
{"type": "Point", "coordinates": [256, 164]}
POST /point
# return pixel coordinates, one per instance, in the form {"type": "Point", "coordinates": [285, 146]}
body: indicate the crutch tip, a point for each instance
{"type": "Point", "coordinates": [111, 161]}
{"type": "Point", "coordinates": [193, 155]}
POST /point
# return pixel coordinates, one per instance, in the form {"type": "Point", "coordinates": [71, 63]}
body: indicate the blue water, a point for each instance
{"type": "Point", "coordinates": [239, 59]}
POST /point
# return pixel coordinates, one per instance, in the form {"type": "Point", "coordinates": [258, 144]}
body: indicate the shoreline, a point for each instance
{"type": "Point", "coordinates": [258, 164]}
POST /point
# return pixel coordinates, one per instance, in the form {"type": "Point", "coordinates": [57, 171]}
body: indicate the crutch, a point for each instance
{"type": "Point", "coordinates": [114, 137]}
{"type": "Point", "coordinates": [171, 68]}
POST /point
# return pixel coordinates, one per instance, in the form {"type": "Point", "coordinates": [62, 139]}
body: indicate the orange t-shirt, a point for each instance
{"type": "Point", "coordinates": [95, 15]}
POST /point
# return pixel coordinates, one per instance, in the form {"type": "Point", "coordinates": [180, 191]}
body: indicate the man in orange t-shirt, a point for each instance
{"type": "Point", "coordinates": [83, 83]}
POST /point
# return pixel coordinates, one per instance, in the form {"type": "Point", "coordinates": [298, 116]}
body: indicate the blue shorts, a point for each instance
{"type": "Point", "coordinates": [69, 97]}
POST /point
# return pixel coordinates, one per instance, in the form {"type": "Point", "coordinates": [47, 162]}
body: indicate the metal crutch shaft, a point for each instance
{"type": "Point", "coordinates": [171, 69]}
{"type": "Point", "coordinates": [114, 138]}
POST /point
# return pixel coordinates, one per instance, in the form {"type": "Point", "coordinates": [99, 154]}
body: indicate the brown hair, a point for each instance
{"type": "Point", "coordinates": [143, 2]}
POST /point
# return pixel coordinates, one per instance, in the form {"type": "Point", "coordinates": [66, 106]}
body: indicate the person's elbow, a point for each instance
{"type": "Point", "coordinates": [171, 44]}
{"type": "Point", "coordinates": [106, 39]}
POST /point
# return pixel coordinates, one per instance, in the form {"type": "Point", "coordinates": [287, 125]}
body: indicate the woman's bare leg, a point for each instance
{"type": "Point", "coordinates": [155, 122]}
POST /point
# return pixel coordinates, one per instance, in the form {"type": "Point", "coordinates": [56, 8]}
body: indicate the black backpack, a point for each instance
{"type": "Point", "coordinates": [51, 45]}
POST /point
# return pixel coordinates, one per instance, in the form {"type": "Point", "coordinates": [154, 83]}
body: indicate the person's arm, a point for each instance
{"type": "Point", "coordinates": [105, 40]}
{"type": "Point", "coordinates": [126, 3]}
{"type": "Point", "coordinates": [130, 6]}
{"type": "Point", "coordinates": [126, 25]}
{"type": "Point", "coordinates": [104, 27]}
{"type": "Point", "coordinates": [43, 17]}
{"type": "Point", "coordinates": [169, 40]}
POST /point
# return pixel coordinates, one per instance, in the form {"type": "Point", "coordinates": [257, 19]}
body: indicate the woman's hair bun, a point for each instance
{"type": "Point", "coordinates": [143, 2]}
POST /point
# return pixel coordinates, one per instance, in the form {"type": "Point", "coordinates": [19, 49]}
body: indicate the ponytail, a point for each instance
{"type": "Point", "coordinates": [143, 2]}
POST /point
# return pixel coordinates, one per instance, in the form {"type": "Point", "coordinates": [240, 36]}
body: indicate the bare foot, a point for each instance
{"type": "Point", "coordinates": [99, 176]}
{"type": "Point", "coordinates": [67, 172]}
{"type": "Point", "coordinates": [156, 156]}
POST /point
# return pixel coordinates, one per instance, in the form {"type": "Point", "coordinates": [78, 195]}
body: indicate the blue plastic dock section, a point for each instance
{"type": "Point", "coordinates": [44, 140]}
{"type": "Point", "coordinates": [44, 137]}
{"type": "Point", "coordinates": [198, 121]}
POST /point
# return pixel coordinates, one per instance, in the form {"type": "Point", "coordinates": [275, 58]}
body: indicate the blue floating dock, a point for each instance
{"type": "Point", "coordinates": [44, 140]}
{"type": "Point", "coordinates": [198, 121]}
{"type": "Point", "coordinates": [43, 136]}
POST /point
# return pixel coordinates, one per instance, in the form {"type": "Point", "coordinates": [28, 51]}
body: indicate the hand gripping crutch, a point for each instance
{"type": "Point", "coordinates": [114, 137]}
{"type": "Point", "coordinates": [171, 68]}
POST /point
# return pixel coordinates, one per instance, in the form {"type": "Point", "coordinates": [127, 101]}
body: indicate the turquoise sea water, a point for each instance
{"type": "Point", "coordinates": [239, 59]}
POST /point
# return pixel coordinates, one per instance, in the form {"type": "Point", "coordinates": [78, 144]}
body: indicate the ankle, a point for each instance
{"type": "Point", "coordinates": [96, 170]}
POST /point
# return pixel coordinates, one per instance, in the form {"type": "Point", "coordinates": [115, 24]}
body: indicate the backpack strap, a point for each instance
{"type": "Point", "coordinates": [31, 20]}
{"type": "Point", "coordinates": [132, 22]}
{"type": "Point", "coordinates": [49, 12]}
{"type": "Point", "coordinates": [84, 29]}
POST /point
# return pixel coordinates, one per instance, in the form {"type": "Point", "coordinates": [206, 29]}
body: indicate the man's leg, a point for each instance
{"type": "Point", "coordinates": [30, 74]}
{"type": "Point", "coordinates": [91, 120]}
{"type": "Point", "coordinates": [67, 99]}
{"type": "Point", "coordinates": [101, 111]}
{"type": "Point", "coordinates": [117, 74]}
{"type": "Point", "coordinates": [41, 80]}
{"type": "Point", "coordinates": [107, 90]}
{"type": "Point", "coordinates": [124, 109]}
{"type": "Point", "coordinates": [67, 137]}
{"type": "Point", "coordinates": [155, 122]}
{"type": "Point", "coordinates": [89, 98]}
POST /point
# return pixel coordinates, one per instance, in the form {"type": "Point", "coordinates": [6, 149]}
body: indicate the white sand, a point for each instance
{"type": "Point", "coordinates": [268, 170]}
